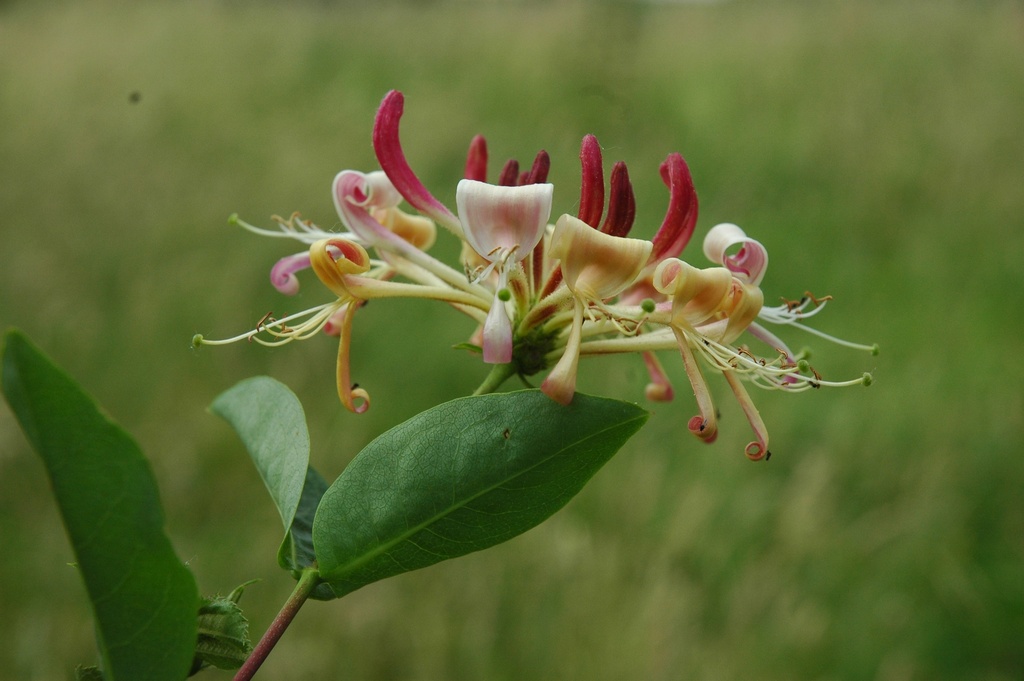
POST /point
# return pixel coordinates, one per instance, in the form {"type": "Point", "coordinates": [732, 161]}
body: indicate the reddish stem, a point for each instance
{"type": "Point", "coordinates": [307, 582]}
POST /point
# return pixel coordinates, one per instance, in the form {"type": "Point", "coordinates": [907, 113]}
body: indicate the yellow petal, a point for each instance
{"type": "Point", "coordinates": [332, 269]}
{"type": "Point", "coordinates": [596, 266]}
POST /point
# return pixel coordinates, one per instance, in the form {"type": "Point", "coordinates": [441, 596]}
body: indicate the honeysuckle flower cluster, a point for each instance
{"type": "Point", "coordinates": [544, 295]}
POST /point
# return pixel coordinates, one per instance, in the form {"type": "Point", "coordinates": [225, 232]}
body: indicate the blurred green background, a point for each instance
{"type": "Point", "coordinates": [875, 148]}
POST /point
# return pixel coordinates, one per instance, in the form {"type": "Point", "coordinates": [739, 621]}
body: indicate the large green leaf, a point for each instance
{"type": "Point", "coordinates": [461, 477]}
{"type": "Point", "coordinates": [269, 419]}
{"type": "Point", "coordinates": [143, 598]}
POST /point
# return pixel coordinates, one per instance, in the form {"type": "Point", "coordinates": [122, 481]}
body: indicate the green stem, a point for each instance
{"type": "Point", "coordinates": [499, 374]}
{"type": "Point", "coordinates": [307, 582]}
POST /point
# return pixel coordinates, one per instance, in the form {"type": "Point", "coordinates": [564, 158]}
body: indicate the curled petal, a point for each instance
{"type": "Point", "coordinates": [704, 425]}
{"type": "Point", "coordinates": [758, 449]}
{"type": "Point", "coordinates": [356, 194]}
{"type": "Point", "coordinates": [476, 160]}
{"type": "Point", "coordinates": [595, 265]}
{"type": "Point", "coordinates": [392, 160]}
{"type": "Point", "coordinates": [282, 274]}
{"type": "Point", "coordinates": [500, 222]}
{"type": "Point", "coordinates": [372, 190]}
{"type": "Point", "coordinates": [749, 263]}
{"type": "Point", "coordinates": [334, 259]}
{"type": "Point", "coordinates": [681, 216]}
{"type": "Point", "coordinates": [353, 398]}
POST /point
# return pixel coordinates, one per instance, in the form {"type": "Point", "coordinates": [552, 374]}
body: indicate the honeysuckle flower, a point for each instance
{"type": "Point", "coordinates": [541, 296]}
{"type": "Point", "coordinates": [595, 267]}
{"type": "Point", "coordinates": [502, 225]}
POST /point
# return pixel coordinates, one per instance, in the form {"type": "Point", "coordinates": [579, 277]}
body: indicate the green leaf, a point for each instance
{"type": "Point", "coordinates": [461, 477]}
{"type": "Point", "coordinates": [143, 598]}
{"type": "Point", "coordinates": [269, 419]}
{"type": "Point", "coordinates": [296, 551]}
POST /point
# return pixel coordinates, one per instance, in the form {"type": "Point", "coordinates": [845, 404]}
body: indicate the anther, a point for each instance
{"type": "Point", "coordinates": [791, 304]}
{"type": "Point", "coordinates": [264, 319]}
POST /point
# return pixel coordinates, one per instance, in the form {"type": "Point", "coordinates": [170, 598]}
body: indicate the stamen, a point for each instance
{"type": "Point", "coordinates": [264, 319]}
{"type": "Point", "coordinates": [292, 228]}
{"type": "Point", "coordinates": [315, 319]}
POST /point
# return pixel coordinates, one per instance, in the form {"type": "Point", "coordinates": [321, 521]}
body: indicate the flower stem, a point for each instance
{"type": "Point", "coordinates": [307, 582]}
{"type": "Point", "coordinates": [499, 374]}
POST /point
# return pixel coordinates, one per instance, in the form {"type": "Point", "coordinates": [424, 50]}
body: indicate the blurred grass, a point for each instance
{"type": "Point", "coordinates": [874, 147]}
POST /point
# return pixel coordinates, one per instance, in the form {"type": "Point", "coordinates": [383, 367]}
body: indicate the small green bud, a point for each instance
{"type": "Point", "coordinates": [504, 295]}
{"type": "Point", "coordinates": [867, 379]}
{"type": "Point", "coordinates": [233, 219]}
{"type": "Point", "coordinates": [197, 341]}
{"type": "Point", "coordinates": [875, 349]}
{"type": "Point", "coordinates": [803, 366]}
{"type": "Point", "coordinates": [647, 305]}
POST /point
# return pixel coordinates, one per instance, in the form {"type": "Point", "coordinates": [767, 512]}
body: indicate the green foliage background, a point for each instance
{"type": "Point", "coordinates": [874, 147]}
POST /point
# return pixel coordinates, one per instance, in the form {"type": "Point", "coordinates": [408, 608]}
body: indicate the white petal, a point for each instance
{"type": "Point", "coordinates": [497, 220]}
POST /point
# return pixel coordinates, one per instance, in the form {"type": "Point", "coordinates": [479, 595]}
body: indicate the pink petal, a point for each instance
{"type": "Point", "coordinates": [282, 274]}
{"type": "Point", "coordinates": [497, 341]}
{"type": "Point", "coordinates": [392, 160]}
{"type": "Point", "coordinates": [355, 193]}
